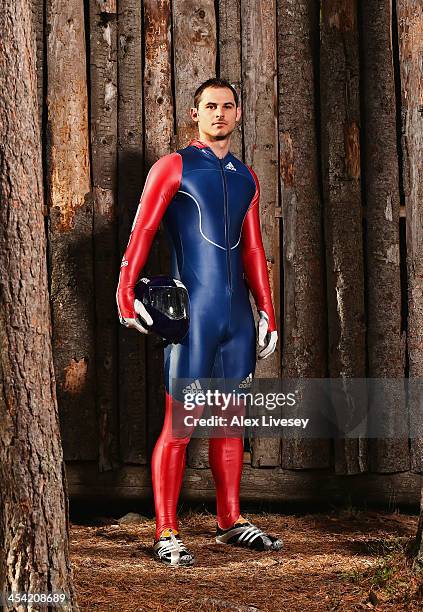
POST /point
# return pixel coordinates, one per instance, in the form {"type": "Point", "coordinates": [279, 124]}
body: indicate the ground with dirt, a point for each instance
{"type": "Point", "coordinates": [345, 560]}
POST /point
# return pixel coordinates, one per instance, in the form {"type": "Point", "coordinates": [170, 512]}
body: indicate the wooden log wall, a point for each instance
{"type": "Point", "coordinates": [331, 96]}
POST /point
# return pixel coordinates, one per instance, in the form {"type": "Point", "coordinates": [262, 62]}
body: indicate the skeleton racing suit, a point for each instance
{"type": "Point", "coordinates": [210, 209]}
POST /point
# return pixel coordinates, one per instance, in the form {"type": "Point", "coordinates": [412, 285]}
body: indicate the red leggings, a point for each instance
{"type": "Point", "coordinates": [168, 464]}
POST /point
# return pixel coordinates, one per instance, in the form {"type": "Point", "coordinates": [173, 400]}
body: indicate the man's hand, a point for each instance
{"type": "Point", "coordinates": [272, 337]}
{"type": "Point", "coordinates": [141, 311]}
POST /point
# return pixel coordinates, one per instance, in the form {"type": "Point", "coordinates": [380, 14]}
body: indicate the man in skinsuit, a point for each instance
{"type": "Point", "coordinates": [209, 203]}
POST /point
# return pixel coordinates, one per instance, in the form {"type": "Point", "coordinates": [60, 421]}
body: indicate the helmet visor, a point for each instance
{"type": "Point", "coordinates": [170, 301]}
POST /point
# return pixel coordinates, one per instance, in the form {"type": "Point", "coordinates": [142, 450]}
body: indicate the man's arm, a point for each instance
{"type": "Point", "coordinates": [254, 259]}
{"type": "Point", "coordinates": [161, 185]}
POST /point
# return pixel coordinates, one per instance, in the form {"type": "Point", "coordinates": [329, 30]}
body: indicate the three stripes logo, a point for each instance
{"type": "Point", "coordinates": [230, 166]}
{"type": "Point", "coordinates": [194, 387]}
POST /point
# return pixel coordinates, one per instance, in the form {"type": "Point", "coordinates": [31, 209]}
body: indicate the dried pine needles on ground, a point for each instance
{"type": "Point", "coordinates": [348, 560]}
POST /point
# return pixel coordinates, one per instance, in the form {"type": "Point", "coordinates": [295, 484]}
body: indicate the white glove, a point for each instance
{"type": "Point", "coordinates": [139, 309]}
{"type": "Point", "coordinates": [263, 326]}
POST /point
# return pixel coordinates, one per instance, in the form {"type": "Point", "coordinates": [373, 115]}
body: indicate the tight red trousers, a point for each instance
{"type": "Point", "coordinates": [168, 465]}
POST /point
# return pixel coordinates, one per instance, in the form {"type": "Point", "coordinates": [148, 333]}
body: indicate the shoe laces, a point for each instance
{"type": "Point", "coordinates": [176, 545]}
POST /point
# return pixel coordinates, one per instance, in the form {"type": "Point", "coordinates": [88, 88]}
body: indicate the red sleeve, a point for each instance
{"type": "Point", "coordinates": [161, 185]}
{"type": "Point", "coordinates": [254, 258]}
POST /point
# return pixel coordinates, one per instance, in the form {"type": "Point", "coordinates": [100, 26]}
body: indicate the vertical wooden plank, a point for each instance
{"type": "Point", "coordinates": [386, 344]}
{"type": "Point", "coordinates": [194, 43]}
{"type": "Point", "coordinates": [230, 56]}
{"type": "Point", "coordinates": [261, 153]}
{"type": "Point", "coordinates": [70, 227]}
{"type": "Point", "coordinates": [340, 128]}
{"type": "Point", "coordinates": [132, 373]}
{"type": "Point", "coordinates": [158, 98]}
{"type": "Point", "coordinates": [304, 332]}
{"type": "Point", "coordinates": [103, 123]}
{"type": "Point", "coordinates": [410, 38]}
{"type": "Point", "coordinates": [158, 134]}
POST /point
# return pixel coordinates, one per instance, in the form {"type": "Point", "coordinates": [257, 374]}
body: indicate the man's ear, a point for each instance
{"type": "Point", "coordinates": [194, 114]}
{"type": "Point", "coordinates": [238, 114]}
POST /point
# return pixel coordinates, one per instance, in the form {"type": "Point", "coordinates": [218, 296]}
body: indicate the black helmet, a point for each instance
{"type": "Point", "coordinates": [166, 301]}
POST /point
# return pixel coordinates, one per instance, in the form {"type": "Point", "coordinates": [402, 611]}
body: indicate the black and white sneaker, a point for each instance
{"type": "Point", "coordinates": [170, 550]}
{"type": "Point", "coordinates": [243, 533]}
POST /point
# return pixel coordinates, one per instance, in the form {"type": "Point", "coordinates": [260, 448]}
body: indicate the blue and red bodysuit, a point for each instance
{"type": "Point", "coordinates": [210, 209]}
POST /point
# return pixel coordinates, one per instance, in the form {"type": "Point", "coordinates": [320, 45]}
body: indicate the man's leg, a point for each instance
{"type": "Point", "coordinates": [167, 468]}
{"type": "Point", "coordinates": [226, 452]}
{"type": "Point", "coordinates": [225, 458]}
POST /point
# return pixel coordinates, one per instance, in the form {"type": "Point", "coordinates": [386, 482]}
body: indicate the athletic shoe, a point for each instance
{"type": "Point", "coordinates": [243, 533]}
{"type": "Point", "coordinates": [170, 550]}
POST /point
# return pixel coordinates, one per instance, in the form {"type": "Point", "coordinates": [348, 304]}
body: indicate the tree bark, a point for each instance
{"type": "Point", "coordinates": [34, 529]}
{"type": "Point", "coordinates": [304, 330]}
{"type": "Point", "coordinates": [103, 123]}
{"type": "Point", "coordinates": [340, 113]}
{"type": "Point", "coordinates": [386, 342]}
{"type": "Point", "coordinates": [410, 37]}
{"type": "Point", "coordinates": [70, 228]}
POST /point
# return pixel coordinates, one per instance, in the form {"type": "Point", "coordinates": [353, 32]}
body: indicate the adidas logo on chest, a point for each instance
{"type": "Point", "coordinates": [230, 166]}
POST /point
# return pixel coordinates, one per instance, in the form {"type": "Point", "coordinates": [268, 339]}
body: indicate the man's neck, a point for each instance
{"type": "Point", "coordinates": [219, 147]}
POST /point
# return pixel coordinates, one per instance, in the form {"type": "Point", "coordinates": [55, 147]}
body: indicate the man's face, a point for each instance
{"type": "Point", "coordinates": [216, 114]}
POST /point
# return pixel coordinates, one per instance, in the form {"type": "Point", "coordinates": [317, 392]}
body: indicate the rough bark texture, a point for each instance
{"type": "Point", "coordinates": [230, 56]}
{"type": "Point", "coordinates": [103, 123]}
{"type": "Point", "coordinates": [70, 228]}
{"type": "Point", "coordinates": [194, 40]}
{"type": "Point", "coordinates": [34, 529]}
{"type": "Point", "coordinates": [340, 116]}
{"type": "Point", "coordinates": [410, 36]}
{"type": "Point", "coordinates": [38, 26]}
{"type": "Point", "coordinates": [418, 543]}
{"type": "Point", "coordinates": [386, 348]}
{"type": "Point", "coordinates": [158, 104]}
{"type": "Point", "coordinates": [132, 372]}
{"type": "Point", "coordinates": [304, 331]}
{"type": "Point", "coordinates": [261, 153]}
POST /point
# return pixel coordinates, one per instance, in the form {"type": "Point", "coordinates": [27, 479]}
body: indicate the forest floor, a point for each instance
{"type": "Point", "coordinates": [341, 560]}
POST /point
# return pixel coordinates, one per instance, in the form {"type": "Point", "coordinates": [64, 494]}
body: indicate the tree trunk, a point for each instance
{"type": "Point", "coordinates": [340, 112]}
{"type": "Point", "coordinates": [410, 37]}
{"type": "Point", "coordinates": [103, 123]}
{"type": "Point", "coordinates": [304, 323]}
{"type": "Point", "coordinates": [70, 228]}
{"type": "Point", "coordinates": [261, 153]}
{"type": "Point", "coordinates": [34, 530]}
{"type": "Point", "coordinates": [38, 27]}
{"type": "Point", "coordinates": [418, 542]}
{"type": "Point", "coordinates": [386, 343]}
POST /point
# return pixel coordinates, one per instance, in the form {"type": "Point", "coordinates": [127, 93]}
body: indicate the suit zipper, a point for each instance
{"type": "Point", "coordinates": [225, 203]}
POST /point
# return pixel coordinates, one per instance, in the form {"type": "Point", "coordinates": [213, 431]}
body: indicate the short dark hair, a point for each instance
{"type": "Point", "coordinates": [215, 83]}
